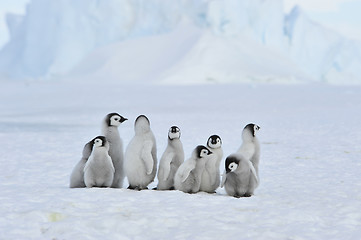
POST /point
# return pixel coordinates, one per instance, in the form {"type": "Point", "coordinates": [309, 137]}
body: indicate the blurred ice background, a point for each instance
{"type": "Point", "coordinates": [182, 41]}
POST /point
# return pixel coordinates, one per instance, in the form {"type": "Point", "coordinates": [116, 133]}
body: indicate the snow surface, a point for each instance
{"type": "Point", "coordinates": [253, 39]}
{"type": "Point", "coordinates": [309, 168]}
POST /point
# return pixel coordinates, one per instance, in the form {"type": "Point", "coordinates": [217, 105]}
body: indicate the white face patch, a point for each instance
{"type": "Point", "coordinates": [172, 135]}
{"type": "Point", "coordinates": [204, 153]}
{"type": "Point", "coordinates": [255, 128]}
{"type": "Point", "coordinates": [232, 166]}
{"type": "Point", "coordinates": [115, 121]}
{"type": "Point", "coordinates": [98, 142]}
{"type": "Point", "coordinates": [218, 144]}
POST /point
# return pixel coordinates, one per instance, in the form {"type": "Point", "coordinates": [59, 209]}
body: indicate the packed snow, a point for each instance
{"type": "Point", "coordinates": [309, 168]}
{"type": "Point", "coordinates": [254, 34]}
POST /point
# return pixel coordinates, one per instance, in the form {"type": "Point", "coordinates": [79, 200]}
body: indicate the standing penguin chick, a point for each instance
{"type": "Point", "coordinates": [171, 159]}
{"type": "Point", "coordinates": [110, 126]}
{"type": "Point", "coordinates": [250, 147]}
{"type": "Point", "coordinates": [141, 155]}
{"type": "Point", "coordinates": [99, 169]}
{"type": "Point", "coordinates": [77, 175]}
{"type": "Point", "coordinates": [211, 176]}
{"type": "Point", "coordinates": [189, 174]}
{"type": "Point", "coordinates": [240, 179]}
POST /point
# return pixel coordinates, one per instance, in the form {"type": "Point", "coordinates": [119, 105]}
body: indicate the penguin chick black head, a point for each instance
{"type": "Point", "coordinates": [142, 124]}
{"type": "Point", "coordinates": [99, 141]}
{"type": "Point", "coordinates": [174, 133]}
{"type": "Point", "coordinates": [252, 128]}
{"type": "Point", "coordinates": [114, 119]}
{"type": "Point", "coordinates": [214, 141]}
{"type": "Point", "coordinates": [231, 163]}
{"type": "Point", "coordinates": [201, 151]}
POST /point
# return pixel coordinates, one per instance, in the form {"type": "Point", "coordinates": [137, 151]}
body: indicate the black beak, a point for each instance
{"type": "Point", "coordinates": [124, 119]}
{"type": "Point", "coordinates": [209, 153]}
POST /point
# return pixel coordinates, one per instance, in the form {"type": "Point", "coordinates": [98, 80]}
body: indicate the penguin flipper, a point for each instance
{"type": "Point", "coordinates": [187, 170]}
{"type": "Point", "coordinates": [166, 165]}
{"type": "Point", "coordinates": [223, 179]}
{"type": "Point", "coordinates": [253, 172]}
{"type": "Point", "coordinates": [147, 157]}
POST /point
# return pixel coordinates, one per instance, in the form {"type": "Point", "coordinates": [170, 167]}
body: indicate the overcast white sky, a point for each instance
{"type": "Point", "coordinates": [341, 15]}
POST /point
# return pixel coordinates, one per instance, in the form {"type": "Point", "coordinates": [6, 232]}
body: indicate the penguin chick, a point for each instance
{"type": "Point", "coordinates": [77, 175]}
{"type": "Point", "coordinates": [240, 179]}
{"type": "Point", "coordinates": [211, 176]}
{"type": "Point", "coordinates": [141, 155]}
{"type": "Point", "coordinates": [110, 126]}
{"type": "Point", "coordinates": [170, 161]}
{"type": "Point", "coordinates": [189, 174]}
{"type": "Point", "coordinates": [250, 147]}
{"type": "Point", "coordinates": [99, 169]}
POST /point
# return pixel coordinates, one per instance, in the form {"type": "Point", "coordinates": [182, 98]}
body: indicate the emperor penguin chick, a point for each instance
{"type": "Point", "coordinates": [99, 169]}
{"type": "Point", "coordinates": [77, 175]}
{"type": "Point", "coordinates": [110, 126]}
{"type": "Point", "coordinates": [171, 159]}
{"type": "Point", "coordinates": [141, 155]}
{"type": "Point", "coordinates": [188, 176]}
{"type": "Point", "coordinates": [211, 176]}
{"type": "Point", "coordinates": [250, 147]}
{"type": "Point", "coordinates": [240, 179]}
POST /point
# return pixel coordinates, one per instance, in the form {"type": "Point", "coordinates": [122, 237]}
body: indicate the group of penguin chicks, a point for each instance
{"type": "Point", "coordinates": [104, 165]}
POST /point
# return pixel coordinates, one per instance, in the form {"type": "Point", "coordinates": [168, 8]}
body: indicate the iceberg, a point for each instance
{"type": "Point", "coordinates": [179, 41]}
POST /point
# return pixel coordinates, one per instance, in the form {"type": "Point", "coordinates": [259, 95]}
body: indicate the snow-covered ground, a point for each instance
{"type": "Point", "coordinates": [310, 161]}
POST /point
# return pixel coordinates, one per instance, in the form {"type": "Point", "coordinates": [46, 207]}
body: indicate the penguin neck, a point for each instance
{"type": "Point", "coordinates": [111, 132]}
{"type": "Point", "coordinates": [244, 167]}
{"type": "Point", "coordinates": [176, 143]}
{"type": "Point", "coordinates": [142, 130]}
{"type": "Point", "coordinates": [200, 164]}
{"type": "Point", "coordinates": [248, 137]}
{"type": "Point", "coordinates": [98, 152]}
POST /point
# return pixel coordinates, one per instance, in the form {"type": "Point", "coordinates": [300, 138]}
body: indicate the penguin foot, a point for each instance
{"type": "Point", "coordinates": [131, 187]}
{"type": "Point", "coordinates": [155, 188]}
{"type": "Point", "coordinates": [138, 188]}
{"type": "Point", "coordinates": [247, 195]}
{"type": "Point", "coordinates": [171, 188]}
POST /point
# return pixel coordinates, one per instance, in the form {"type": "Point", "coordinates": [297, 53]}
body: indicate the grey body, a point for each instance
{"type": "Point", "coordinates": [110, 131]}
{"type": "Point", "coordinates": [211, 176]}
{"type": "Point", "coordinates": [250, 147]}
{"type": "Point", "coordinates": [141, 155]}
{"type": "Point", "coordinates": [99, 169]}
{"type": "Point", "coordinates": [170, 161]}
{"type": "Point", "coordinates": [188, 176]}
{"type": "Point", "coordinates": [77, 175]}
{"type": "Point", "coordinates": [241, 180]}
